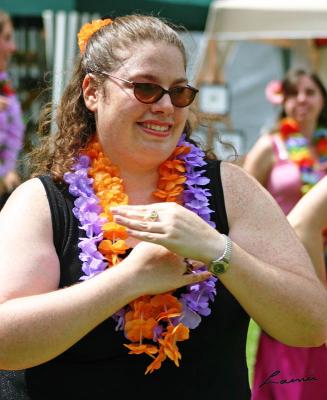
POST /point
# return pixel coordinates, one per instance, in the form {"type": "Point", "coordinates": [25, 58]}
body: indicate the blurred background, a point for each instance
{"type": "Point", "coordinates": [235, 48]}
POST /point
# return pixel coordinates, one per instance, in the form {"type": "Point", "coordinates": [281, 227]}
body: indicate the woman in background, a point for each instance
{"type": "Point", "coordinates": [289, 162]}
{"type": "Point", "coordinates": [11, 125]}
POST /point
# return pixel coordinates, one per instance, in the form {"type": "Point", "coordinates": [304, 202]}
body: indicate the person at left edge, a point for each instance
{"type": "Point", "coordinates": [11, 124]}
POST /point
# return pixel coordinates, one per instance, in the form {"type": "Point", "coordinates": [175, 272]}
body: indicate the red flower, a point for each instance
{"type": "Point", "coordinates": [320, 42]}
{"type": "Point", "coordinates": [322, 146]}
{"type": "Point", "coordinates": [306, 163]}
{"type": "Point", "coordinates": [6, 89]}
{"type": "Point", "coordinates": [287, 127]}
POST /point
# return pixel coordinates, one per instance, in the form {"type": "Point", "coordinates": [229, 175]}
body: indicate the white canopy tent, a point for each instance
{"type": "Point", "coordinates": [292, 23]}
{"type": "Point", "coordinates": [267, 19]}
{"type": "Point", "coordinates": [286, 23]}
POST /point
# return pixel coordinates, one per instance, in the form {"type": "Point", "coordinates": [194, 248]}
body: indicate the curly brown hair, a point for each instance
{"type": "Point", "coordinates": [75, 123]}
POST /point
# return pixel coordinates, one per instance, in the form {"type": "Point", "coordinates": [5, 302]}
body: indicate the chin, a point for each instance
{"type": "Point", "coordinates": [158, 153]}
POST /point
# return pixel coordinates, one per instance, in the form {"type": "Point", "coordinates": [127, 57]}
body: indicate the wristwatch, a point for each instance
{"type": "Point", "coordinates": [221, 264]}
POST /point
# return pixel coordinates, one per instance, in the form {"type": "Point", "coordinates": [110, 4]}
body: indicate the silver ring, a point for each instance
{"type": "Point", "coordinates": [189, 266]}
{"type": "Point", "coordinates": [153, 216]}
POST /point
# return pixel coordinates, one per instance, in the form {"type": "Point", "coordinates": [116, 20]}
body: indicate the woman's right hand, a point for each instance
{"type": "Point", "coordinates": [157, 270]}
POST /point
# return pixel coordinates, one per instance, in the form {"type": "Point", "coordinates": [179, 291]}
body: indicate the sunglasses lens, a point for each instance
{"type": "Point", "coordinates": [147, 92]}
{"type": "Point", "coordinates": [182, 96]}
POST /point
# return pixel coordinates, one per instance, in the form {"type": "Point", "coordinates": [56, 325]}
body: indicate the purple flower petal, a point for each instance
{"type": "Point", "coordinates": [11, 130]}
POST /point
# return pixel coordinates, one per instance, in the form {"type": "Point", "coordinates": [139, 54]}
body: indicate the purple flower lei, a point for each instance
{"type": "Point", "coordinates": [11, 130]}
{"type": "Point", "coordinates": [195, 300]}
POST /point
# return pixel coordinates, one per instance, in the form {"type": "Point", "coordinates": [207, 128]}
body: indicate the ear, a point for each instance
{"type": "Point", "coordinates": [90, 92]}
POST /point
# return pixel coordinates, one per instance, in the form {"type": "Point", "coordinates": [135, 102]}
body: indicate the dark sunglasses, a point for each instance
{"type": "Point", "coordinates": [148, 93]}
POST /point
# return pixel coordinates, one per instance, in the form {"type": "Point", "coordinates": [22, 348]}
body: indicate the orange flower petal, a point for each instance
{"type": "Point", "coordinates": [156, 364]}
{"type": "Point", "coordinates": [87, 31]}
{"type": "Point", "coordinates": [142, 348]}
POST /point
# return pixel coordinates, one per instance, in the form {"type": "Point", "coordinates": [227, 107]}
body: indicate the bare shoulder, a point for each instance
{"type": "Point", "coordinates": [265, 142]}
{"type": "Point", "coordinates": [263, 146]}
{"type": "Point", "coordinates": [28, 260]}
{"type": "Point", "coordinates": [257, 223]}
{"type": "Point", "coordinates": [311, 210]}
{"type": "Point", "coordinates": [28, 204]}
{"type": "Point", "coordinates": [260, 159]}
{"type": "Point", "coordinates": [29, 191]}
{"type": "Point", "coordinates": [242, 191]}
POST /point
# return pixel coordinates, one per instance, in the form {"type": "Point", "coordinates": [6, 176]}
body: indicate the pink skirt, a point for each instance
{"type": "Point", "coordinates": [289, 373]}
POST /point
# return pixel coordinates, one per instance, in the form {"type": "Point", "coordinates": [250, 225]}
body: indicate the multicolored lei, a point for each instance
{"type": "Point", "coordinates": [153, 324]}
{"type": "Point", "coordinates": [299, 152]}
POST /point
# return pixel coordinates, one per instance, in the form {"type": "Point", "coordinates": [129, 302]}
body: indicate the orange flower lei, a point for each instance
{"type": "Point", "coordinates": [146, 311]}
{"type": "Point", "coordinates": [87, 31]}
{"type": "Point", "coordinates": [109, 189]}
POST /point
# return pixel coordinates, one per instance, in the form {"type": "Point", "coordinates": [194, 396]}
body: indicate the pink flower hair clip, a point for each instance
{"type": "Point", "coordinates": [274, 92]}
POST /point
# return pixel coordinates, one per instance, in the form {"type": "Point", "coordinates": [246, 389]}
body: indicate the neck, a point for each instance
{"type": "Point", "coordinates": [139, 185]}
{"type": "Point", "coordinates": [307, 129]}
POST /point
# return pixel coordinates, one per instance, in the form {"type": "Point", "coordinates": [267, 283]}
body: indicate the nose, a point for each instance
{"type": "Point", "coordinates": [163, 105]}
{"type": "Point", "coordinates": [301, 96]}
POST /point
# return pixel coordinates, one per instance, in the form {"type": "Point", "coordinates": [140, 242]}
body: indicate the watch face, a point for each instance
{"type": "Point", "coordinates": [219, 267]}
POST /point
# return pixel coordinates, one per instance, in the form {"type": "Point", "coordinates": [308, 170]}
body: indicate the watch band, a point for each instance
{"type": "Point", "coordinates": [221, 264]}
{"type": "Point", "coordinates": [227, 254]}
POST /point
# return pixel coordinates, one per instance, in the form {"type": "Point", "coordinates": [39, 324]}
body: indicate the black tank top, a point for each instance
{"type": "Point", "coordinates": [213, 364]}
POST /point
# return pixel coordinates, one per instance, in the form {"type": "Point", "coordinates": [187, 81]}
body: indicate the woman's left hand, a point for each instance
{"type": "Point", "coordinates": [172, 226]}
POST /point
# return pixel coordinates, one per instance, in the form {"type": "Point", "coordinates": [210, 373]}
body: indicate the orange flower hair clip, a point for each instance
{"type": "Point", "coordinates": [87, 31]}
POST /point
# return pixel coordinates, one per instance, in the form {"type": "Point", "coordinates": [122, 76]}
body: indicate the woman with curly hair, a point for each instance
{"type": "Point", "coordinates": [110, 256]}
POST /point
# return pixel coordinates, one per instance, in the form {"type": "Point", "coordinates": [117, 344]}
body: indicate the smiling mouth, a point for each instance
{"type": "Point", "coordinates": [302, 111]}
{"type": "Point", "coordinates": [157, 128]}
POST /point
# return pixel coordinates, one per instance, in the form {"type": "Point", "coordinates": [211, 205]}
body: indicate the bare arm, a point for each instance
{"type": "Point", "coordinates": [309, 218]}
{"type": "Point", "coordinates": [38, 321]}
{"type": "Point", "coordinates": [270, 273]}
{"type": "Point", "coordinates": [260, 159]}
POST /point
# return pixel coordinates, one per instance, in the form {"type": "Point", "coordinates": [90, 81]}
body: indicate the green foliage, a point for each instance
{"type": "Point", "coordinates": [251, 347]}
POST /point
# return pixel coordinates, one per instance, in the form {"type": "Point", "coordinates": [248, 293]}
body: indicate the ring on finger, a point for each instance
{"type": "Point", "coordinates": [153, 217]}
{"type": "Point", "coordinates": [189, 266]}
